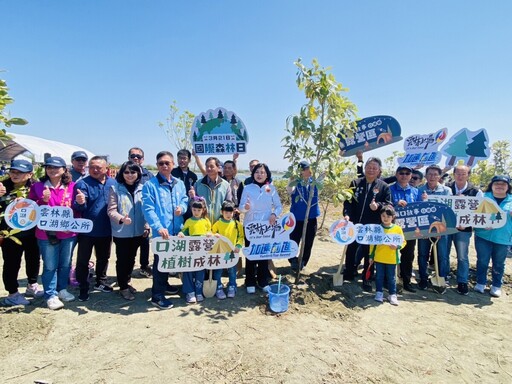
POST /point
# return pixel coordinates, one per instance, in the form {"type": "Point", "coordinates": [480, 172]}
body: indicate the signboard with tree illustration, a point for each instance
{"type": "Point", "coordinates": [218, 132]}
{"type": "Point", "coordinates": [467, 146]}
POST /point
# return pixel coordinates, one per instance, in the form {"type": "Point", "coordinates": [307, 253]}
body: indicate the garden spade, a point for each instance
{"type": "Point", "coordinates": [210, 286]}
{"type": "Point", "coordinates": [337, 278]}
{"type": "Point", "coordinates": [437, 281]}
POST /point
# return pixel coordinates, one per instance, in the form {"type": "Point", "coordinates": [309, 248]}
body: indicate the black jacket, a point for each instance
{"type": "Point", "coordinates": [358, 209]}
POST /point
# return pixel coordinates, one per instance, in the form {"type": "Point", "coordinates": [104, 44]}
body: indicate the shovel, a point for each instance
{"type": "Point", "coordinates": [210, 286]}
{"type": "Point", "coordinates": [337, 278]}
{"type": "Point", "coordinates": [438, 282]}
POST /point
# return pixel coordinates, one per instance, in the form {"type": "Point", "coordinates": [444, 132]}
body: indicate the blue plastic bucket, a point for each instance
{"type": "Point", "coordinates": [279, 301]}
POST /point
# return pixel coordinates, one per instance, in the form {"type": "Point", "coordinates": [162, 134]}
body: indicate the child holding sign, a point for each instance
{"type": "Point", "coordinates": [234, 231]}
{"type": "Point", "coordinates": [386, 256]}
{"type": "Point", "coordinates": [197, 225]}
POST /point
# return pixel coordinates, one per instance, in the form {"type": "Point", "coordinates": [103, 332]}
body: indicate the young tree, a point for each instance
{"type": "Point", "coordinates": [178, 127]}
{"type": "Point", "coordinates": [313, 134]}
{"type": "Point", "coordinates": [501, 156]}
{"type": "Point", "coordinates": [5, 118]}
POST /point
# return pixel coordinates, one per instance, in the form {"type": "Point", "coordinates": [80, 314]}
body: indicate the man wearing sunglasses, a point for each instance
{"type": "Point", "coordinates": [136, 155]}
{"type": "Point", "coordinates": [402, 194]}
{"type": "Point", "coordinates": [78, 165]}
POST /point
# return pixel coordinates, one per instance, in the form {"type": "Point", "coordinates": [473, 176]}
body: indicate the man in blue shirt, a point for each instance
{"type": "Point", "coordinates": [164, 201]}
{"type": "Point", "coordinates": [91, 200]}
{"type": "Point", "coordinates": [401, 195]}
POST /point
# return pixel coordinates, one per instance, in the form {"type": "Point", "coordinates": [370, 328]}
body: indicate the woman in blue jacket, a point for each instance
{"type": "Point", "coordinates": [492, 244]}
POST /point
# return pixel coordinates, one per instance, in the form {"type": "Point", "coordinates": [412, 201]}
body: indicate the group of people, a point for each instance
{"type": "Point", "coordinates": [374, 202]}
{"type": "Point", "coordinates": [136, 205]}
{"type": "Point", "coordinates": [127, 210]}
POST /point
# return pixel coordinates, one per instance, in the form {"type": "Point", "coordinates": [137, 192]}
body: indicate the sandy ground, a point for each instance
{"type": "Point", "coordinates": [328, 335]}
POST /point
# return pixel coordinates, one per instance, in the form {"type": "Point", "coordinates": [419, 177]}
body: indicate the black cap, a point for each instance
{"type": "Point", "coordinates": [504, 178]}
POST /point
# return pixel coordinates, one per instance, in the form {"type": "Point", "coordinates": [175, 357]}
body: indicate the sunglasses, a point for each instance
{"type": "Point", "coordinates": [129, 173]}
{"type": "Point", "coordinates": [80, 159]}
{"type": "Point", "coordinates": [415, 178]}
{"type": "Point", "coordinates": [162, 163]}
{"type": "Point", "coordinates": [404, 173]}
{"type": "Point", "coordinates": [135, 156]}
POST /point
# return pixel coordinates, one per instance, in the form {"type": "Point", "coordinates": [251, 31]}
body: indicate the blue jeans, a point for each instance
{"type": "Point", "coordinates": [56, 265]}
{"type": "Point", "coordinates": [385, 272]}
{"type": "Point", "coordinates": [217, 275]}
{"type": "Point", "coordinates": [461, 241]}
{"type": "Point", "coordinates": [442, 257]}
{"type": "Point", "coordinates": [486, 251]}
{"type": "Point", "coordinates": [193, 282]}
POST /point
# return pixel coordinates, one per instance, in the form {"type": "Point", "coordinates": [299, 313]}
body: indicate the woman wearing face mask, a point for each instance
{"type": "Point", "coordinates": [128, 224]}
{"type": "Point", "coordinates": [260, 202]}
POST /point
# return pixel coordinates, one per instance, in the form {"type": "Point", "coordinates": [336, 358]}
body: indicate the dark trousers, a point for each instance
{"type": "Point", "coordinates": [256, 270]}
{"type": "Point", "coordinates": [406, 260]}
{"type": "Point", "coordinates": [126, 252]}
{"type": "Point", "coordinates": [12, 253]}
{"type": "Point", "coordinates": [101, 247]}
{"type": "Point", "coordinates": [310, 237]}
{"type": "Point", "coordinates": [351, 262]}
{"type": "Point", "coordinates": [144, 252]}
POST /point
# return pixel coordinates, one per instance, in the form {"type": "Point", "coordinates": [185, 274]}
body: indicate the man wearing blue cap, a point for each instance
{"type": "Point", "coordinates": [402, 194]}
{"type": "Point", "coordinates": [78, 165]}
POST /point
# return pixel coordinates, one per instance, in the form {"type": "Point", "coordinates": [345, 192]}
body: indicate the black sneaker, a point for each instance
{"type": "Point", "coordinates": [103, 287]}
{"type": "Point", "coordinates": [423, 284]}
{"type": "Point", "coordinates": [367, 286]}
{"type": "Point", "coordinates": [146, 271]}
{"type": "Point", "coordinates": [171, 289]}
{"type": "Point", "coordinates": [84, 295]}
{"type": "Point", "coordinates": [409, 288]}
{"type": "Point", "coordinates": [462, 288]}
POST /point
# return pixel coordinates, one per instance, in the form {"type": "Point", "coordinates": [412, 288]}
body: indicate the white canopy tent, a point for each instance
{"type": "Point", "coordinates": [32, 147]}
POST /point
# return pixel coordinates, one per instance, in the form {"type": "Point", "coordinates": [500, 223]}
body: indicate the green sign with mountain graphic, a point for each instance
{"type": "Point", "coordinates": [219, 132]}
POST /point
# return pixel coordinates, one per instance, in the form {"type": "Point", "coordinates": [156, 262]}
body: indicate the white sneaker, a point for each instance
{"type": "Point", "coordinates": [231, 292]}
{"type": "Point", "coordinates": [64, 295]}
{"type": "Point", "coordinates": [54, 303]}
{"type": "Point", "coordinates": [480, 288]}
{"type": "Point", "coordinates": [495, 291]}
{"type": "Point", "coordinates": [16, 299]}
{"type": "Point", "coordinates": [266, 289]}
{"type": "Point", "coordinates": [393, 300]}
{"type": "Point", "coordinates": [220, 294]}
{"type": "Point", "coordinates": [191, 298]}
{"type": "Point", "coordinates": [33, 290]}
{"type": "Point", "coordinates": [251, 290]}
{"type": "Point", "coordinates": [379, 296]}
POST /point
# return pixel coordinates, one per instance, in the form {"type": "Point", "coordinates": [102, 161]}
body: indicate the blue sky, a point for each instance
{"type": "Point", "coordinates": [101, 74]}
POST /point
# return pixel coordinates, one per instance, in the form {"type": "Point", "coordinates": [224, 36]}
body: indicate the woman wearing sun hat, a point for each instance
{"type": "Point", "coordinates": [492, 244]}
